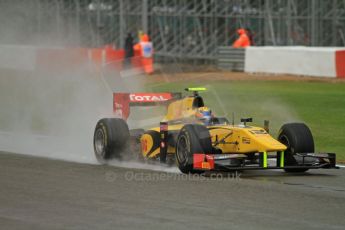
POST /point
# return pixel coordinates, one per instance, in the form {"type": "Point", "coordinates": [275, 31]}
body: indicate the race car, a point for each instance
{"type": "Point", "coordinates": [198, 141]}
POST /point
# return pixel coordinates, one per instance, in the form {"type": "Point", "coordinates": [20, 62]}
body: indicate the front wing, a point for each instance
{"type": "Point", "coordinates": [229, 162]}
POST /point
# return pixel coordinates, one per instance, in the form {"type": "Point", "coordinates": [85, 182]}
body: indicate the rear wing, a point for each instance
{"type": "Point", "coordinates": [123, 101]}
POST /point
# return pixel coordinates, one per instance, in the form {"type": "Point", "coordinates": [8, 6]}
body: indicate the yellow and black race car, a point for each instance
{"type": "Point", "coordinates": [197, 141]}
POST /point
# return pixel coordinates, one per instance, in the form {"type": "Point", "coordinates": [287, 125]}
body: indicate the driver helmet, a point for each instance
{"type": "Point", "coordinates": [204, 114]}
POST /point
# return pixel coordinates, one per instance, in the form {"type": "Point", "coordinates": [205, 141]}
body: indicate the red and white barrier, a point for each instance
{"type": "Point", "coordinates": [32, 58]}
{"type": "Point", "coordinates": [306, 61]}
{"type": "Point", "coordinates": [58, 59]}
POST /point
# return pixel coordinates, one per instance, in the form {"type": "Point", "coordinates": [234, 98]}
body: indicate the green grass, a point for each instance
{"type": "Point", "coordinates": [320, 105]}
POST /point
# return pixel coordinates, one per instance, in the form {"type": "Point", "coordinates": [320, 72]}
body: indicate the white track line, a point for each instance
{"type": "Point", "coordinates": [341, 166]}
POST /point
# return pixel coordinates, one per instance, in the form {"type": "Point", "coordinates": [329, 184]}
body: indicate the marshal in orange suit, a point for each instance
{"type": "Point", "coordinates": [243, 40]}
{"type": "Point", "coordinates": [144, 49]}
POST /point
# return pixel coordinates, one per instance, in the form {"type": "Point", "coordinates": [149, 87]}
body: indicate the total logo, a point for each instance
{"type": "Point", "coordinates": [149, 97]}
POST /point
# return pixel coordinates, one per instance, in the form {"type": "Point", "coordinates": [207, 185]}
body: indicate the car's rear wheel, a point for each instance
{"type": "Point", "coordinates": [298, 139]}
{"type": "Point", "coordinates": [111, 138]}
{"type": "Point", "coordinates": [193, 138]}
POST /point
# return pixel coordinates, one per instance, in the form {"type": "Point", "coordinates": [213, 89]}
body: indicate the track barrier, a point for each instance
{"type": "Point", "coordinates": [59, 59]}
{"type": "Point", "coordinates": [340, 63]}
{"type": "Point", "coordinates": [305, 61]}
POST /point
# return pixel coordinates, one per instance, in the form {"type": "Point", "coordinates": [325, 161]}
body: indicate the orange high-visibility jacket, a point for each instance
{"type": "Point", "coordinates": [144, 43]}
{"type": "Point", "coordinates": [144, 50]}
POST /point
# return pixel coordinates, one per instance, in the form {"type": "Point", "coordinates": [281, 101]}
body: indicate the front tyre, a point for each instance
{"type": "Point", "coordinates": [111, 138]}
{"type": "Point", "coordinates": [298, 139]}
{"type": "Point", "coordinates": [193, 138]}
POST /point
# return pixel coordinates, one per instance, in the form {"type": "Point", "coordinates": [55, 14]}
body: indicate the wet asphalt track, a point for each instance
{"type": "Point", "coordinates": [37, 193]}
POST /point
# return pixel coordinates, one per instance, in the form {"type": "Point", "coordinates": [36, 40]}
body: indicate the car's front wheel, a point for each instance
{"type": "Point", "coordinates": [298, 139]}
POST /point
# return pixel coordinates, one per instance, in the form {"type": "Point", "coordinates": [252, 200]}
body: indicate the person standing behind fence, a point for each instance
{"type": "Point", "coordinates": [243, 41]}
{"type": "Point", "coordinates": [129, 50]}
{"type": "Point", "coordinates": [250, 36]}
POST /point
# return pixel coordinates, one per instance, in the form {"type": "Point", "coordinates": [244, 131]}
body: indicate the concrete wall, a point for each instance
{"type": "Point", "coordinates": [306, 61]}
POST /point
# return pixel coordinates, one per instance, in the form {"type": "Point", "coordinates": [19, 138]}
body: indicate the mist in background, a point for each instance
{"type": "Point", "coordinates": [51, 110]}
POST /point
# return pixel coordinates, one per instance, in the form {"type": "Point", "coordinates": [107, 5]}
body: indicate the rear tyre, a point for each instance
{"type": "Point", "coordinates": [193, 138]}
{"type": "Point", "coordinates": [298, 139]}
{"type": "Point", "coordinates": [111, 138]}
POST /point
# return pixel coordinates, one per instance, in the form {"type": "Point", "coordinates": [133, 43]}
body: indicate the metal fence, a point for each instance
{"type": "Point", "coordinates": [179, 28]}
